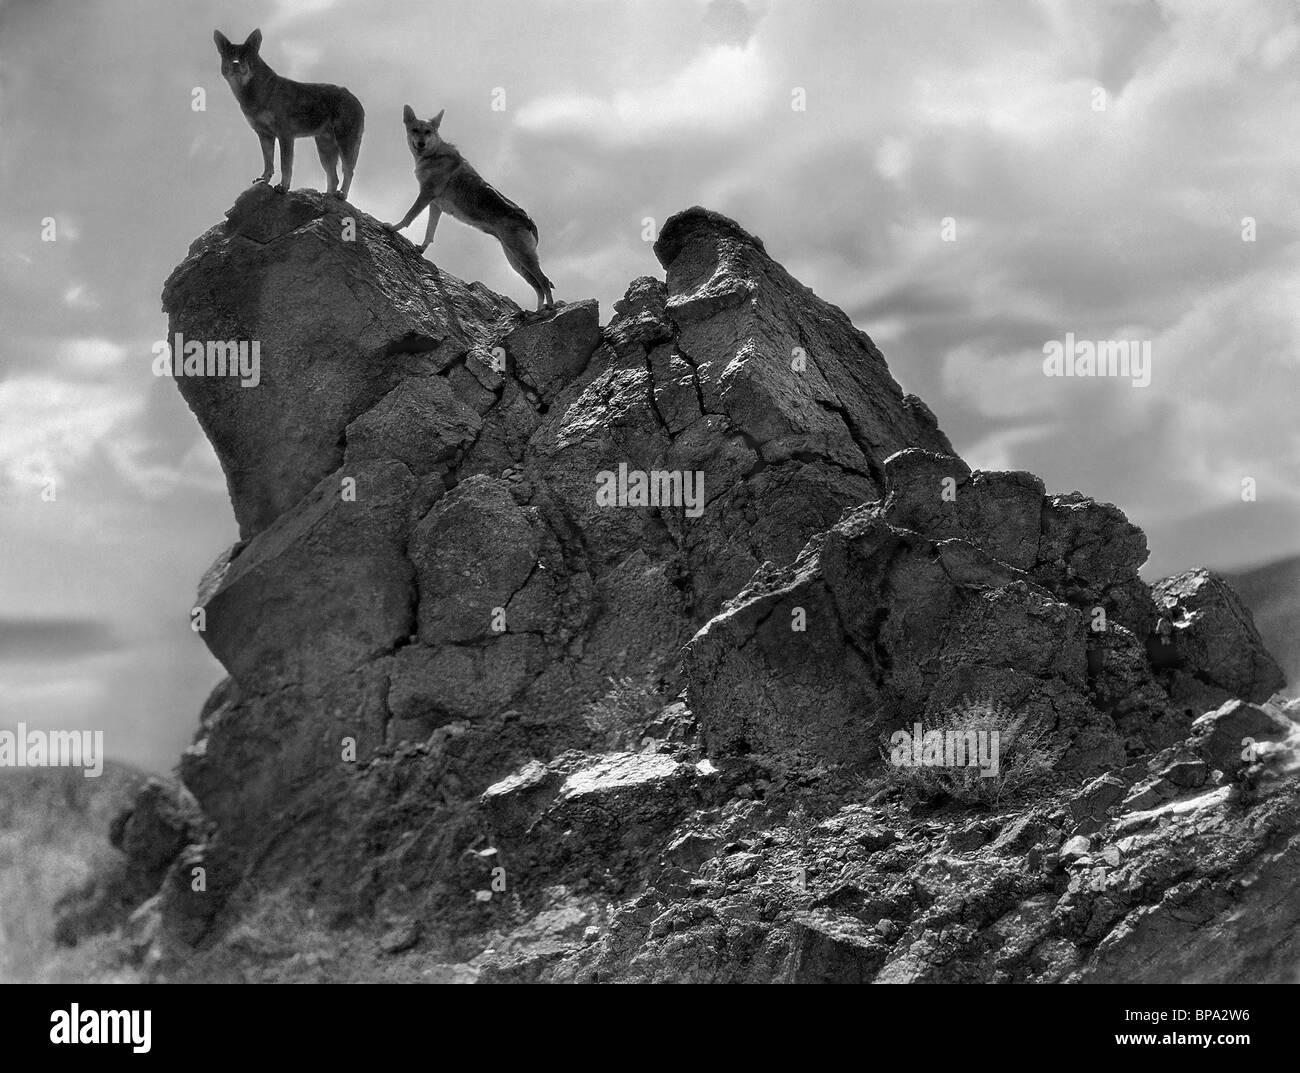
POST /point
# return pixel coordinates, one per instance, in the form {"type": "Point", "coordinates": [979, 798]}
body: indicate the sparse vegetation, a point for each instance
{"type": "Point", "coordinates": [53, 836]}
{"type": "Point", "coordinates": [800, 824]}
{"type": "Point", "coordinates": [619, 718]}
{"type": "Point", "coordinates": [1026, 757]}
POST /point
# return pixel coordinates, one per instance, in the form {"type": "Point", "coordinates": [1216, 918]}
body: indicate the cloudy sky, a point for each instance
{"type": "Point", "coordinates": [1096, 159]}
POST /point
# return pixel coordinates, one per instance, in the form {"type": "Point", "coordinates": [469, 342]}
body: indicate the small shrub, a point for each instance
{"type": "Point", "coordinates": [619, 718]}
{"type": "Point", "coordinates": [1026, 757]}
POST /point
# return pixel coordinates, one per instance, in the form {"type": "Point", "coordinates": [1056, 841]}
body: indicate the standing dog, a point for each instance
{"type": "Point", "coordinates": [449, 183]}
{"type": "Point", "coordinates": [279, 109]}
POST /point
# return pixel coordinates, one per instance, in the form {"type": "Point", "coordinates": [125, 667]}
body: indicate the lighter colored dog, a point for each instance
{"type": "Point", "coordinates": [449, 183]}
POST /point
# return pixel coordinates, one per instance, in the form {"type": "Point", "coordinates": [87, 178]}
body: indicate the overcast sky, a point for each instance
{"type": "Point", "coordinates": [1111, 223]}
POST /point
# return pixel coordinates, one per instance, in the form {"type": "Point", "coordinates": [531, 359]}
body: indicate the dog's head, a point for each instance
{"type": "Point", "coordinates": [237, 61]}
{"type": "Point", "coordinates": [422, 134]}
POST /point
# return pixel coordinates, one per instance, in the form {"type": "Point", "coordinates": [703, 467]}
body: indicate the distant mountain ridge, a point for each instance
{"type": "Point", "coordinates": [1272, 592]}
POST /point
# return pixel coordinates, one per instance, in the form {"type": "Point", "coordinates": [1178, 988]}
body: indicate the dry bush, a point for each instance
{"type": "Point", "coordinates": [619, 718]}
{"type": "Point", "coordinates": [1026, 757]}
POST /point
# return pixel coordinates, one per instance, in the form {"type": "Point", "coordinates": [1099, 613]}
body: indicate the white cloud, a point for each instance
{"type": "Point", "coordinates": [288, 11]}
{"type": "Point", "coordinates": [50, 428]}
{"type": "Point", "coordinates": [80, 296]}
{"type": "Point", "coordinates": [67, 226]}
{"type": "Point", "coordinates": [1230, 364]}
{"type": "Point", "coordinates": [1000, 450]}
{"type": "Point", "coordinates": [89, 355]}
{"type": "Point", "coordinates": [135, 457]}
{"type": "Point", "coordinates": [300, 58]}
{"type": "Point", "coordinates": [893, 158]}
{"type": "Point", "coordinates": [997, 385]}
{"type": "Point", "coordinates": [724, 88]}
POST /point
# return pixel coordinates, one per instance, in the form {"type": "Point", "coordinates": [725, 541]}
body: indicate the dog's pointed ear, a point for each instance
{"type": "Point", "coordinates": [254, 40]}
{"type": "Point", "coordinates": [436, 121]}
{"type": "Point", "coordinates": [408, 115]}
{"type": "Point", "coordinates": [222, 41]}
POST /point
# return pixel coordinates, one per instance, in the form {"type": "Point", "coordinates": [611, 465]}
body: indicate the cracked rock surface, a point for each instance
{"type": "Point", "coordinates": [480, 724]}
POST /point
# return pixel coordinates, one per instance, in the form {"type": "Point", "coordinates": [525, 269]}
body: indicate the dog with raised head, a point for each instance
{"type": "Point", "coordinates": [449, 183]}
{"type": "Point", "coordinates": [280, 110]}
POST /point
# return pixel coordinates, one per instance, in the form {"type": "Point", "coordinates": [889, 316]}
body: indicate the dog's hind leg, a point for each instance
{"type": "Point", "coordinates": [350, 154]}
{"type": "Point", "coordinates": [520, 247]}
{"type": "Point", "coordinates": [348, 137]}
{"type": "Point", "coordinates": [328, 150]}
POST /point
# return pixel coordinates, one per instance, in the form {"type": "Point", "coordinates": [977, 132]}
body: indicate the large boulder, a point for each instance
{"type": "Point", "coordinates": [340, 313]}
{"type": "Point", "coordinates": [484, 553]}
{"type": "Point", "coordinates": [436, 491]}
{"type": "Point", "coordinates": [953, 590]}
{"type": "Point", "coordinates": [1207, 638]}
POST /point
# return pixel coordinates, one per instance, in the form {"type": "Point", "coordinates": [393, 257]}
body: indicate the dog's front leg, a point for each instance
{"type": "Point", "coordinates": [435, 214]}
{"type": "Point", "coordinates": [286, 162]}
{"type": "Point", "coordinates": [414, 211]}
{"type": "Point", "coordinates": [268, 157]}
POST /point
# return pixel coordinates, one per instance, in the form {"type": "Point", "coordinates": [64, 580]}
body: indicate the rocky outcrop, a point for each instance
{"type": "Point", "coordinates": [423, 540]}
{"type": "Point", "coordinates": [1209, 642]}
{"type": "Point", "coordinates": [953, 588]}
{"type": "Point", "coordinates": [569, 651]}
{"type": "Point", "coordinates": [1194, 886]}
